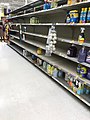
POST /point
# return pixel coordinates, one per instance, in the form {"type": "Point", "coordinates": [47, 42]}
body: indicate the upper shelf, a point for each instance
{"type": "Point", "coordinates": [49, 24]}
{"type": "Point", "coordinates": [28, 6]}
{"type": "Point", "coordinates": [54, 10]}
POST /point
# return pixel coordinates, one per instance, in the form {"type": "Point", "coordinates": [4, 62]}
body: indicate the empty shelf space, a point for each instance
{"type": "Point", "coordinates": [60, 63]}
{"type": "Point", "coordinates": [14, 30]}
{"type": "Point", "coordinates": [36, 35]}
{"type": "Point", "coordinates": [35, 43]}
{"type": "Point", "coordinates": [14, 36]}
{"type": "Point", "coordinates": [73, 42]}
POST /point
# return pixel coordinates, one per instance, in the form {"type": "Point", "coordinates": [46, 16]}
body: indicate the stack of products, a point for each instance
{"type": "Point", "coordinates": [83, 15]}
{"type": "Point", "coordinates": [47, 5]}
{"type": "Point", "coordinates": [70, 2]}
{"type": "Point", "coordinates": [83, 71]}
{"type": "Point", "coordinates": [72, 16]}
{"type": "Point", "coordinates": [51, 41]}
{"type": "Point", "coordinates": [34, 20]}
{"type": "Point", "coordinates": [76, 85]}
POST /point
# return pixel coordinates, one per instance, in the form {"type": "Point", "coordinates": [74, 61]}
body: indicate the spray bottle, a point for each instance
{"type": "Point", "coordinates": [81, 38]}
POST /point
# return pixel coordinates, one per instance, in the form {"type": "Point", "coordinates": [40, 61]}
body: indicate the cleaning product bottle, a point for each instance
{"type": "Point", "coordinates": [79, 89]}
{"type": "Point", "coordinates": [72, 51]}
{"type": "Point", "coordinates": [88, 16]}
{"type": "Point", "coordinates": [49, 69]}
{"type": "Point", "coordinates": [55, 72]}
{"type": "Point", "coordinates": [81, 15]}
{"type": "Point", "coordinates": [68, 18]}
{"type": "Point", "coordinates": [52, 69]}
{"type": "Point", "coordinates": [82, 55]}
{"type": "Point", "coordinates": [78, 68]}
{"type": "Point", "coordinates": [81, 38]}
{"type": "Point", "coordinates": [88, 57]}
{"type": "Point", "coordinates": [88, 74]}
{"type": "Point", "coordinates": [83, 72]}
{"type": "Point", "coordinates": [84, 15]}
{"type": "Point", "coordinates": [44, 65]}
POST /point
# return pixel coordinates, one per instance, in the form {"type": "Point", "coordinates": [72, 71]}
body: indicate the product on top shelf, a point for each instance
{"type": "Point", "coordinates": [82, 55]}
{"type": "Point", "coordinates": [83, 15]}
{"type": "Point", "coordinates": [39, 51]}
{"type": "Point", "coordinates": [47, 5]}
{"type": "Point", "coordinates": [72, 51]}
{"type": "Point", "coordinates": [88, 57]}
{"type": "Point", "coordinates": [81, 38]}
{"type": "Point", "coordinates": [74, 16]}
{"type": "Point", "coordinates": [88, 16]}
{"type": "Point", "coordinates": [54, 3]}
{"type": "Point", "coordinates": [68, 18]}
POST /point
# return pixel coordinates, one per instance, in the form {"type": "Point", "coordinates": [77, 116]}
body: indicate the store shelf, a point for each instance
{"type": "Point", "coordinates": [63, 65]}
{"type": "Point", "coordinates": [14, 30]}
{"type": "Point", "coordinates": [73, 42]}
{"type": "Point", "coordinates": [59, 52]}
{"type": "Point", "coordinates": [36, 35]}
{"type": "Point", "coordinates": [35, 43]}
{"type": "Point", "coordinates": [49, 24]}
{"type": "Point", "coordinates": [28, 6]}
{"type": "Point", "coordinates": [84, 98]}
{"type": "Point", "coordinates": [54, 10]}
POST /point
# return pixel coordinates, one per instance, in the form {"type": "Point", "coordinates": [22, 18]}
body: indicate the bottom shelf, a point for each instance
{"type": "Point", "coordinates": [84, 98]}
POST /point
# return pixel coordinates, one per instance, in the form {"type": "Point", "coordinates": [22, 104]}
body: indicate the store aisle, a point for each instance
{"type": "Point", "coordinates": [27, 94]}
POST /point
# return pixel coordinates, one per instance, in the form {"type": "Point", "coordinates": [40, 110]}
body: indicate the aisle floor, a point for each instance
{"type": "Point", "coordinates": [28, 94]}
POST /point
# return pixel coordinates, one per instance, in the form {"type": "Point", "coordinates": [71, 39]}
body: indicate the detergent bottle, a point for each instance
{"type": "Point", "coordinates": [83, 72]}
{"type": "Point", "coordinates": [49, 69]}
{"type": "Point", "coordinates": [82, 55]}
{"type": "Point", "coordinates": [52, 69]}
{"type": "Point", "coordinates": [55, 72]}
{"type": "Point", "coordinates": [88, 16]}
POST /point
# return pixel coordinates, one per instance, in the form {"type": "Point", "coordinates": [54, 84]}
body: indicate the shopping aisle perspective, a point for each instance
{"type": "Point", "coordinates": [28, 94]}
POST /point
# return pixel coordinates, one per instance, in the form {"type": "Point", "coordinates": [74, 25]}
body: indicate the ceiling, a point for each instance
{"type": "Point", "coordinates": [14, 3]}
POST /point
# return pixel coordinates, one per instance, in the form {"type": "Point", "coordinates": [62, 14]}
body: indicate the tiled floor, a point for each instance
{"type": "Point", "coordinates": [27, 94]}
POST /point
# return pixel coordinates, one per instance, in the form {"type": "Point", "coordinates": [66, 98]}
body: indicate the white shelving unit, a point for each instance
{"type": "Point", "coordinates": [36, 36]}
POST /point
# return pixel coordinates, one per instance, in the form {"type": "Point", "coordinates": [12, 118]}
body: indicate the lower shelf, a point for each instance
{"type": "Point", "coordinates": [84, 98]}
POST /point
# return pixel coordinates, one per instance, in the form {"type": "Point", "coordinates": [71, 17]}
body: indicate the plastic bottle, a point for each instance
{"type": "Point", "coordinates": [81, 15]}
{"type": "Point", "coordinates": [81, 38]}
{"type": "Point", "coordinates": [55, 72]}
{"type": "Point", "coordinates": [79, 68]}
{"type": "Point", "coordinates": [84, 15]}
{"type": "Point", "coordinates": [82, 55]}
{"type": "Point", "coordinates": [88, 16]}
{"type": "Point", "coordinates": [49, 69]}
